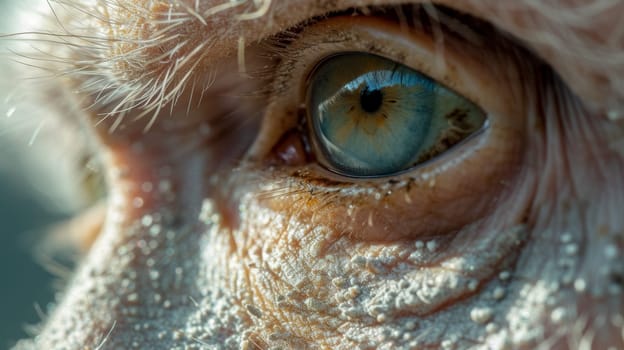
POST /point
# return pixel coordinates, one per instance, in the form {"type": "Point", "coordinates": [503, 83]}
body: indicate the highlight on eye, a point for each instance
{"type": "Point", "coordinates": [371, 116]}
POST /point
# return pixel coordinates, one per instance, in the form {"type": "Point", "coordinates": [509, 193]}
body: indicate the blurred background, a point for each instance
{"type": "Point", "coordinates": [23, 218]}
{"type": "Point", "coordinates": [25, 281]}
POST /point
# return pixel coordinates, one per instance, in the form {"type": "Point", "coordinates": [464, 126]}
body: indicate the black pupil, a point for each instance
{"type": "Point", "coordinates": [371, 100]}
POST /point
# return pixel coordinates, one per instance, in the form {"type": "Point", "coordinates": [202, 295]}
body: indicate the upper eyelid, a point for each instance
{"type": "Point", "coordinates": [532, 23]}
{"type": "Point", "coordinates": [303, 51]}
{"type": "Point", "coordinates": [594, 80]}
{"type": "Point", "coordinates": [443, 25]}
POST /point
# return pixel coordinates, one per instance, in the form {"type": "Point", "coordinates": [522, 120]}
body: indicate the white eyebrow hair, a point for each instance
{"type": "Point", "coordinates": [561, 32]}
{"type": "Point", "coordinates": [143, 53]}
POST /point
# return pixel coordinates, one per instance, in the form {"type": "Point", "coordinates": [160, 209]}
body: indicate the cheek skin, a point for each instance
{"type": "Point", "coordinates": [553, 280]}
{"type": "Point", "coordinates": [578, 233]}
{"type": "Point", "coordinates": [550, 278]}
{"type": "Point", "coordinates": [154, 277]}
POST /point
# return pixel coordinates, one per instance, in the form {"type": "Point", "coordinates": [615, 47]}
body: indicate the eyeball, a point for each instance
{"type": "Point", "coordinates": [370, 116]}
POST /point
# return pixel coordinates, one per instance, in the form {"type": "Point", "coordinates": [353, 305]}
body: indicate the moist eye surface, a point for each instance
{"type": "Point", "coordinates": [371, 116]}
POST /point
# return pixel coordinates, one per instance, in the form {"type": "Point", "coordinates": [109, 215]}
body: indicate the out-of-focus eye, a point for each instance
{"type": "Point", "coordinates": [371, 116]}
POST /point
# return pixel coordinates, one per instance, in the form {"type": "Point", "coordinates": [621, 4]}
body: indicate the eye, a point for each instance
{"type": "Point", "coordinates": [371, 116]}
{"type": "Point", "coordinates": [369, 121]}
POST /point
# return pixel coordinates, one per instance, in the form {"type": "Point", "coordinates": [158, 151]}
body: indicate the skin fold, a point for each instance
{"type": "Point", "coordinates": [220, 232]}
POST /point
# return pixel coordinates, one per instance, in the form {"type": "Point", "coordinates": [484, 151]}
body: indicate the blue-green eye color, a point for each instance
{"type": "Point", "coordinates": [371, 116]}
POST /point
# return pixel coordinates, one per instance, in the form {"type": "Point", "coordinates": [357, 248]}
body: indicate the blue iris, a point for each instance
{"type": "Point", "coordinates": [370, 116]}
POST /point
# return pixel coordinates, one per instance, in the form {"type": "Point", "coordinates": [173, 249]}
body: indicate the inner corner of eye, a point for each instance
{"type": "Point", "coordinates": [369, 116]}
{"type": "Point", "coordinates": [290, 149]}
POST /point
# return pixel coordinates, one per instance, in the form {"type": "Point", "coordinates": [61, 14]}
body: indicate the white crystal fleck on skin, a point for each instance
{"type": "Point", "coordinates": [558, 315]}
{"type": "Point", "coordinates": [481, 315]}
{"type": "Point", "coordinates": [571, 249]}
{"type": "Point", "coordinates": [498, 293]}
{"type": "Point", "coordinates": [147, 220]}
{"type": "Point", "coordinates": [504, 275]}
{"type": "Point", "coordinates": [491, 328]}
{"type": "Point", "coordinates": [566, 237]}
{"type": "Point", "coordinates": [448, 344]}
{"type": "Point", "coordinates": [473, 285]}
{"type": "Point", "coordinates": [432, 246]}
{"type": "Point", "coordinates": [580, 285]}
{"type": "Point", "coordinates": [611, 251]}
{"type": "Point", "coordinates": [137, 202]}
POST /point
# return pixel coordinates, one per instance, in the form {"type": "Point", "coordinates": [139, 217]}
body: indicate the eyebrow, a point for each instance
{"type": "Point", "coordinates": [558, 32]}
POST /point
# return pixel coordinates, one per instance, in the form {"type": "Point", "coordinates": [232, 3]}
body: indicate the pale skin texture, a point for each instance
{"type": "Point", "coordinates": [213, 239]}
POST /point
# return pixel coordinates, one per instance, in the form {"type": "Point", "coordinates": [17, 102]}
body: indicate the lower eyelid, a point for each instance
{"type": "Point", "coordinates": [433, 202]}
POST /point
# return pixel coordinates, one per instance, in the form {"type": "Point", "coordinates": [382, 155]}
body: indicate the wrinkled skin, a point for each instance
{"type": "Point", "coordinates": [513, 240]}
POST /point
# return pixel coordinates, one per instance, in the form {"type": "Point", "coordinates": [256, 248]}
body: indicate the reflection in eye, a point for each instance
{"type": "Point", "coordinates": [371, 116]}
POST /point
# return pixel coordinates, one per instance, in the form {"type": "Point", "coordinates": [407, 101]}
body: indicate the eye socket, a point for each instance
{"type": "Point", "coordinates": [371, 116]}
{"type": "Point", "coordinates": [437, 197]}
